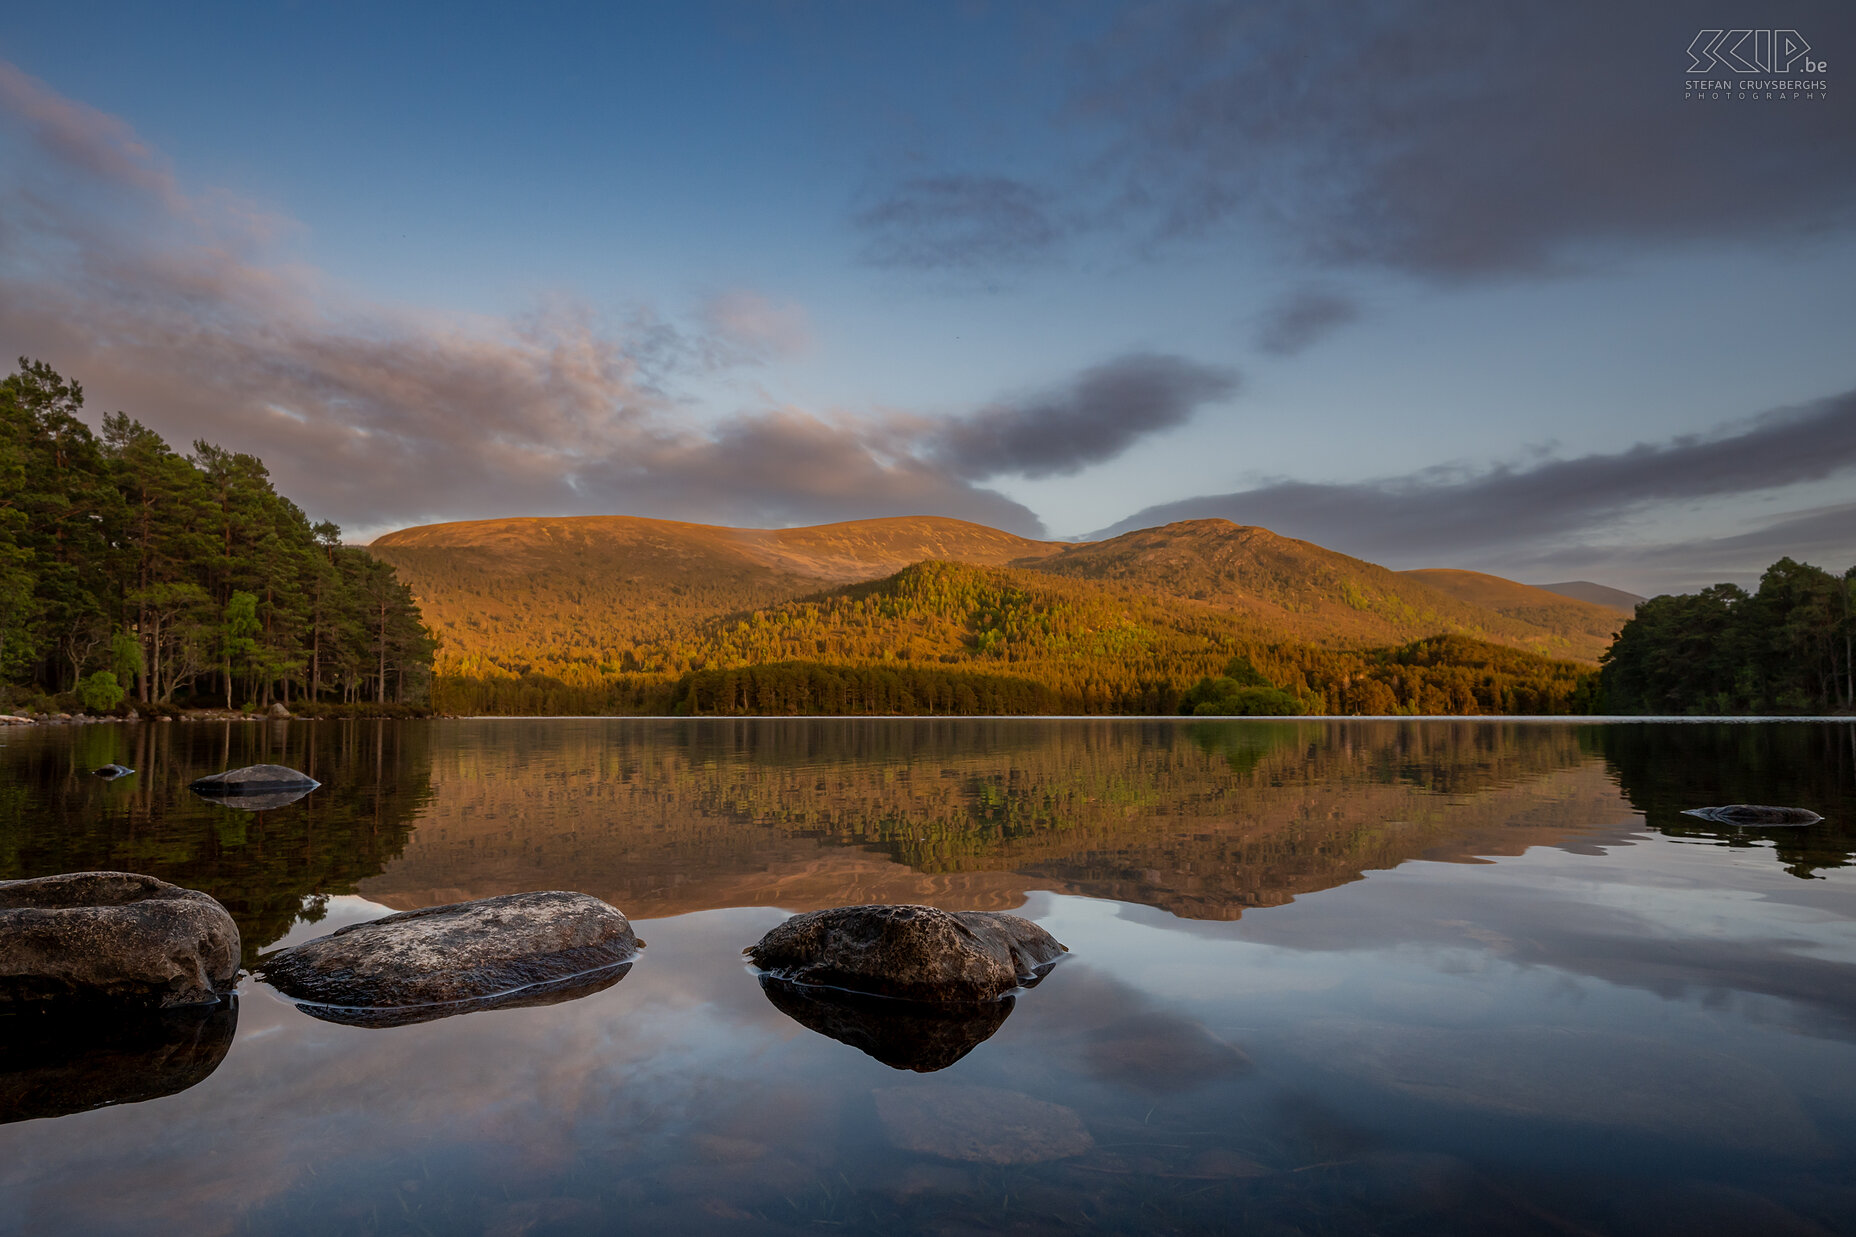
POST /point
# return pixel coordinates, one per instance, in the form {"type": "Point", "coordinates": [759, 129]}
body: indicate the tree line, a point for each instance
{"type": "Point", "coordinates": [129, 572]}
{"type": "Point", "coordinates": [1784, 648]}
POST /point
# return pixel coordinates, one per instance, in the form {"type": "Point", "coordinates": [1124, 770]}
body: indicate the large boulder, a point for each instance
{"type": "Point", "coordinates": [113, 936]}
{"type": "Point", "coordinates": [1755, 815]}
{"type": "Point", "coordinates": [916, 953]}
{"type": "Point", "coordinates": [520, 948]}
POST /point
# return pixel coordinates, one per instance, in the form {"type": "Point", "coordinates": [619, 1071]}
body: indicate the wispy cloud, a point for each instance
{"type": "Point", "coordinates": [1450, 140]}
{"type": "Point", "coordinates": [1300, 320]}
{"type": "Point", "coordinates": [178, 306]}
{"type": "Point", "coordinates": [1512, 512]}
{"type": "Point", "coordinates": [958, 223]}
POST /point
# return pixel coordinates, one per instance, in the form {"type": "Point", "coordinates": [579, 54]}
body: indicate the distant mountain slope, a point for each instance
{"type": "Point", "coordinates": [585, 598]}
{"type": "Point", "coordinates": [1596, 594]}
{"type": "Point", "coordinates": [1555, 612]}
{"type": "Point", "coordinates": [1302, 591]}
{"type": "Point", "coordinates": [549, 593]}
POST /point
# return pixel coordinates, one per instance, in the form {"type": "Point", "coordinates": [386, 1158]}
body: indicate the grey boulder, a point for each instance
{"type": "Point", "coordinates": [253, 780]}
{"type": "Point", "coordinates": [464, 956]}
{"type": "Point", "coordinates": [113, 936]}
{"type": "Point", "coordinates": [1755, 815]}
{"type": "Point", "coordinates": [915, 953]}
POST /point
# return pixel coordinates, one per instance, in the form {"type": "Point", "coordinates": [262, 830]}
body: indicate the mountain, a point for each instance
{"type": "Point", "coordinates": [597, 614]}
{"type": "Point", "coordinates": [1572, 618]}
{"type": "Point", "coordinates": [1305, 592]}
{"type": "Point", "coordinates": [541, 594]}
{"type": "Point", "coordinates": [1596, 594]}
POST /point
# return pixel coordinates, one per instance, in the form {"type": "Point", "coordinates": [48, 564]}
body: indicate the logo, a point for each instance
{"type": "Point", "coordinates": [1752, 51]}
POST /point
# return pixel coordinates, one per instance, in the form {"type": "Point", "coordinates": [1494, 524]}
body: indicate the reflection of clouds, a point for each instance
{"type": "Point", "coordinates": [1627, 1083]}
{"type": "Point", "coordinates": [1685, 925]}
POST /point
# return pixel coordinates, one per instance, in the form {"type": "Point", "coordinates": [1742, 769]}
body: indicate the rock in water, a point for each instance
{"type": "Point", "coordinates": [278, 711]}
{"type": "Point", "coordinates": [981, 1124]}
{"type": "Point", "coordinates": [911, 1035]}
{"type": "Point", "coordinates": [110, 773]}
{"type": "Point", "coordinates": [256, 788]}
{"type": "Point", "coordinates": [464, 956]}
{"type": "Point", "coordinates": [1755, 815]}
{"type": "Point", "coordinates": [113, 936]}
{"type": "Point", "coordinates": [917, 953]}
{"type": "Point", "coordinates": [253, 780]}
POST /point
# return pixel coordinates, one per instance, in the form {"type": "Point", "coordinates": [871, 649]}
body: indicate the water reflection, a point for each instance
{"type": "Point", "coordinates": [267, 867]}
{"type": "Point", "coordinates": [54, 1065]}
{"type": "Point", "coordinates": [1302, 997]}
{"type": "Point", "coordinates": [1667, 769]}
{"type": "Point", "coordinates": [906, 1035]}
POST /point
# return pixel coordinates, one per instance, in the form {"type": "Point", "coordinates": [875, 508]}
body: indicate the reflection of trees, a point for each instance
{"type": "Point", "coordinates": [1665, 769]}
{"type": "Point", "coordinates": [55, 816]}
{"type": "Point", "coordinates": [1203, 819]}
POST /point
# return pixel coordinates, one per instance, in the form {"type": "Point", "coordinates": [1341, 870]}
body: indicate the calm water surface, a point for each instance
{"type": "Point", "coordinates": [1326, 977]}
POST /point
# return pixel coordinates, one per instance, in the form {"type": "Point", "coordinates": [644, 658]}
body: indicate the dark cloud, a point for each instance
{"type": "Point", "coordinates": [1823, 536]}
{"type": "Point", "coordinates": [1299, 320]}
{"type": "Point", "coordinates": [1445, 516]}
{"type": "Point", "coordinates": [174, 306]}
{"type": "Point", "coordinates": [1457, 139]}
{"type": "Point", "coordinates": [1095, 418]}
{"type": "Point", "coordinates": [959, 223]}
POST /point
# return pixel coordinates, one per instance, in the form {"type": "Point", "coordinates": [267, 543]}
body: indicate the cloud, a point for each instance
{"type": "Point", "coordinates": [1301, 319]}
{"type": "Point", "coordinates": [1821, 536]}
{"type": "Point", "coordinates": [1093, 419]}
{"type": "Point", "coordinates": [1442, 515]}
{"type": "Point", "coordinates": [177, 306]}
{"type": "Point", "coordinates": [959, 223]}
{"type": "Point", "coordinates": [757, 325]}
{"type": "Point", "coordinates": [1454, 140]}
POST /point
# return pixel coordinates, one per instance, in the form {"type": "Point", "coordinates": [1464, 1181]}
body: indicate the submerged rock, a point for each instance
{"type": "Point", "coordinates": [110, 773]}
{"type": "Point", "coordinates": [909, 1035]}
{"type": "Point", "coordinates": [487, 954]}
{"type": "Point", "coordinates": [255, 788]}
{"type": "Point", "coordinates": [1755, 814]}
{"type": "Point", "coordinates": [981, 1124]}
{"type": "Point", "coordinates": [253, 780]}
{"type": "Point", "coordinates": [52, 1065]}
{"type": "Point", "coordinates": [113, 936]}
{"type": "Point", "coordinates": [916, 953]}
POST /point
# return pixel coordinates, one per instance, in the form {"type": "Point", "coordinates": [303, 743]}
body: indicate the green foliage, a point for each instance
{"type": "Point", "coordinates": [1784, 649]}
{"type": "Point", "coordinates": [100, 691]}
{"type": "Point", "coordinates": [177, 575]}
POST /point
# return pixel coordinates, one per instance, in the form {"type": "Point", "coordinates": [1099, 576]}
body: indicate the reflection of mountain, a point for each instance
{"type": "Point", "coordinates": [55, 817]}
{"type": "Point", "coordinates": [1202, 819]}
{"type": "Point", "coordinates": [1666, 769]}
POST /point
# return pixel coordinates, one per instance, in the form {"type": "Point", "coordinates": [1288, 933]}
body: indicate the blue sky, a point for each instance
{"type": "Point", "coordinates": [1414, 283]}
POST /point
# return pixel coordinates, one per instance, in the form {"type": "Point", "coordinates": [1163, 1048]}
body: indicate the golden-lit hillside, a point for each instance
{"type": "Point", "coordinates": [1568, 617]}
{"type": "Point", "coordinates": [572, 595]}
{"type": "Point", "coordinates": [1301, 591]}
{"type": "Point", "coordinates": [613, 613]}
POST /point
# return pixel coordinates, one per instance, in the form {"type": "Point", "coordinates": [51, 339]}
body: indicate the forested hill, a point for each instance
{"type": "Point", "coordinates": [129, 572]}
{"type": "Point", "coordinates": [584, 599]}
{"type": "Point", "coordinates": [599, 614]}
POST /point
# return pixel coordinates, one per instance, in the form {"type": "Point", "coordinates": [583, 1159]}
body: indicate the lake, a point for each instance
{"type": "Point", "coordinates": [1326, 976]}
